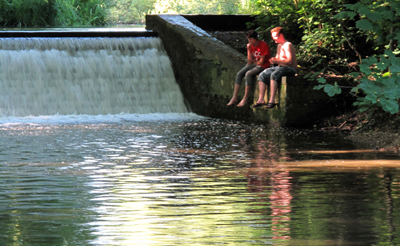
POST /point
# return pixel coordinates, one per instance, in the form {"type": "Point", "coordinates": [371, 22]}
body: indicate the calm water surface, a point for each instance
{"type": "Point", "coordinates": [192, 181]}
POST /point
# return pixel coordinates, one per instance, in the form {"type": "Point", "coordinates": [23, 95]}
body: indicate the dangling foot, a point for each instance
{"type": "Point", "coordinates": [242, 103]}
{"type": "Point", "coordinates": [232, 102]}
{"type": "Point", "coordinates": [270, 105]}
{"type": "Point", "coordinates": [257, 105]}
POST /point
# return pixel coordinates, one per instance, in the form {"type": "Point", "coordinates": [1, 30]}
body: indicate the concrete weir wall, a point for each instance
{"type": "Point", "coordinates": [205, 69]}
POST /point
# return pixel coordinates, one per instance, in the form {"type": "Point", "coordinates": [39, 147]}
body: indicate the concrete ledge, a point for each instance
{"type": "Point", "coordinates": [205, 69]}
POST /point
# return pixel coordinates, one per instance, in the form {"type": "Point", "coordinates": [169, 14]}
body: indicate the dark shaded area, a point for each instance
{"type": "Point", "coordinates": [235, 39]}
{"type": "Point", "coordinates": [223, 22]}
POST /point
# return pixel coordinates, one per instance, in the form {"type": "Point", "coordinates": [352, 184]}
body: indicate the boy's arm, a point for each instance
{"type": "Point", "coordinates": [274, 60]}
{"type": "Point", "coordinates": [249, 54]}
{"type": "Point", "coordinates": [261, 61]}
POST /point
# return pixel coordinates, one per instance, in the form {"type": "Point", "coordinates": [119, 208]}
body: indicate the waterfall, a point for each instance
{"type": "Point", "coordinates": [94, 76]}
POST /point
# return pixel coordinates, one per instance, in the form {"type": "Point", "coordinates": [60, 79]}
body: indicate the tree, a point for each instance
{"type": "Point", "coordinates": [379, 76]}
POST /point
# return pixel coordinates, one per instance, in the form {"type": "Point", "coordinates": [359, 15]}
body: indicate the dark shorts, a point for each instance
{"type": "Point", "coordinates": [276, 73]}
{"type": "Point", "coordinates": [249, 72]}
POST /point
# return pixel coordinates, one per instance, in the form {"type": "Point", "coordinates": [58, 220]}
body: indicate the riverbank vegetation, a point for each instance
{"type": "Point", "coordinates": [134, 11]}
{"type": "Point", "coordinates": [45, 13]}
{"type": "Point", "coordinates": [355, 40]}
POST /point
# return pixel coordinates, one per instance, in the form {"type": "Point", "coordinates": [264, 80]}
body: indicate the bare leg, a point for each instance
{"type": "Point", "coordinates": [261, 92]}
{"type": "Point", "coordinates": [245, 97]}
{"type": "Point", "coordinates": [273, 91]}
{"type": "Point", "coordinates": [235, 95]}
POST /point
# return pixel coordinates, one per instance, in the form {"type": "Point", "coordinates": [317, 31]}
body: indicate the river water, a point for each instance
{"type": "Point", "coordinates": [73, 174]}
{"type": "Point", "coordinates": [181, 179]}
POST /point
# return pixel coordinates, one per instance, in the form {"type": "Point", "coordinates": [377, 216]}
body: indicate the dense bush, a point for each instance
{"type": "Point", "coordinates": [27, 12]}
{"type": "Point", "coordinates": [40, 13]}
{"type": "Point", "coordinates": [379, 76]}
{"type": "Point", "coordinates": [82, 12]}
{"type": "Point", "coordinates": [343, 36]}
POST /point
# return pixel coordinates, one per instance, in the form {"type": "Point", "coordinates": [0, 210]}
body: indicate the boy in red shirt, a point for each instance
{"type": "Point", "coordinates": [258, 55]}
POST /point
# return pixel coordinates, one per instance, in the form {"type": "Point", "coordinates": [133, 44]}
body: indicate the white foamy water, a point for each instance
{"type": "Point", "coordinates": [11, 121]}
{"type": "Point", "coordinates": [64, 79]}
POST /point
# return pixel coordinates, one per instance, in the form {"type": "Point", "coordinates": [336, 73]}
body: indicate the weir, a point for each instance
{"type": "Point", "coordinates": [47, 76]}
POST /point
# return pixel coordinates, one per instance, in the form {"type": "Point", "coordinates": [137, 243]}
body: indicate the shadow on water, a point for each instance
{"type": "Point", "coordinates": [192, 182]}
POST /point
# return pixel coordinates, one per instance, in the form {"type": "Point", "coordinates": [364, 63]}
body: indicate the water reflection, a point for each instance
{"type": "Point", "coordinates": [192, 182]}
{"type": "Point", "coordinates": [270, 181]}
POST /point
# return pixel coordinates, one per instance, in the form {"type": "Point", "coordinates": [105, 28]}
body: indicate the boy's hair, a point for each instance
{"type": "Point", "coordinates": [278, 30]}
{"type": "Point", "coordinates": [252, 34]}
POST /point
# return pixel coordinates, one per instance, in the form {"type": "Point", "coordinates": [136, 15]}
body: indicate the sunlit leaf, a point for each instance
{"type": "Point", "coordinates": [321, 80]}
{"type": "Point", "coordinates": [332, 90]}
{"type": "Point", "coordinates": [387, 74]}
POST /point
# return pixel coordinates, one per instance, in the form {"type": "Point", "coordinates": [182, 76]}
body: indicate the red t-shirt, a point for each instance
{"type": "Point", "coordinates": [262, 49]}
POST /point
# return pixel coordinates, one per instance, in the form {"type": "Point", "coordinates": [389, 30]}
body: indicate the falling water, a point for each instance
{"type": "Point", "coordinates": [93, 76]}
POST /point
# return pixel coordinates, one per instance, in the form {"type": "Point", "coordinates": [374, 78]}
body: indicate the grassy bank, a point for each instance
{"type": "Point", "coordinates": [45, 13]}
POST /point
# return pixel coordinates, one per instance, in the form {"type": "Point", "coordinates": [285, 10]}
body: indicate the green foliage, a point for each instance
{"type": "Point", "coordinates": [203, 6]}
{"type": "Point", "coordinates": [39, 13]}
{"type": "Point", "coordinates": [81, 12]}
{"type": "Point", "coordinates": [134, 11]}
{"type": "Point", "coordinates": [130, 11]}
{"type": "Point", "coordinates": [30, 13]}
{"type": "Point", "coordinates": [335, 35]}
{"type": "Point", "coordinates": [378, 78]}
{"type": "Point", "coordinates": [381, 88]}
{"type": "Point", "coordinates": [27, 12]}
{"type": "Point", "coordinates": [331, 90]}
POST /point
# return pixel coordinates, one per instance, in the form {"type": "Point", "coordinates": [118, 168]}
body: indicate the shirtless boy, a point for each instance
{"type": "Point", "coordinates": [286, 62]}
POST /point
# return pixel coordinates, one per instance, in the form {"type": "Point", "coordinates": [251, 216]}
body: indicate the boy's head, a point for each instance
{"type": "Point", "coordinates": [252, 34]}
{"type": "Point", "coordinates": [277, 35]}
{"type": "Point", "coordinates": [278, 30]}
